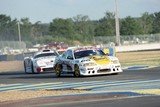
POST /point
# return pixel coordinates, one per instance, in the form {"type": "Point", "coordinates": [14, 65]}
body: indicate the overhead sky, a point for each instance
{"type": "Point", "coordinates": [46, 10]}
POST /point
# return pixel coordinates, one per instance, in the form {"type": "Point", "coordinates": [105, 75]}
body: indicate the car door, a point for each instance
{"type": "Point", "coordinates": [68, 61]}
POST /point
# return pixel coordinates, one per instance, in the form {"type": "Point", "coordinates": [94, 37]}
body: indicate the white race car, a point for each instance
{"type": "Point", "coordinates": [41, 61]}
{"type": "Point", "coordinates": [85, 62]}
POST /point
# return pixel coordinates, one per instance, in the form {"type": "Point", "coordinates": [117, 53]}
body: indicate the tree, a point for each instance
{"type": "Point", "coordinates": [130, 26]}
{"type": "Point", "coordinates": [8, 30]}
{"type": "Point", "coordinates": [146, 21]}
{"type": "Point", "coordinates": [84, 28]}
{"type": "Point", "coordinates": [62, 27]}
{"type": "Point", "coordinates": [156, 22]}
{"type": "Point", "coordinates": [36, 31]}
{"type": "Point", "coordinates": [26, 27]}
{"type": "Point", "coordinates": [106, 26]}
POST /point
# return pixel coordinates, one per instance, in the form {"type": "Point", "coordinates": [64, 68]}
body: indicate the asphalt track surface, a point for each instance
{"type": "Point", "coordinates": [21, 77]}
{"type": "Point", "coordinates": [130, 79]}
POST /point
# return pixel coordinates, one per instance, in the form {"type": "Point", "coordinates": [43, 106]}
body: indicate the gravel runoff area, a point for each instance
{"type": "Point", "coordinates": [21, 95]}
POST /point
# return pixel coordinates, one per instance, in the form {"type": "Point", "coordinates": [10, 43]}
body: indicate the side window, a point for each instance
{"type": "Point", "coordinates": [64, 55]}
{"type": "Point", "coordinates": [69, 55]}
{"type": "Point", "coordinates": [100, 52]}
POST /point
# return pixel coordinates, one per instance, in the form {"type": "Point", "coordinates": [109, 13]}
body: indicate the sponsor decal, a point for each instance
{"type": "Point", "coordinates": [101, 60]}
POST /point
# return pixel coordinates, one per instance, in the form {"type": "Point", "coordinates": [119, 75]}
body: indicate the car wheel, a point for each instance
{"type": "Point", "coordinates": [115, 73]}
{"type": "Point", "coordinates": [32, 68]}
{"type": "Point", "coordinates": [25, 69]}
{"type": "Point", "coordinates": [58, 69]}
{"type": "Point", "coordinates": [76, 71]}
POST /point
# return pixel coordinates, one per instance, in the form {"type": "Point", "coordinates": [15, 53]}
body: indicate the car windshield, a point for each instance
{"type": "Point", "coordinates": [45, 55]}
{"type": "Point", "coordinates": [85, 53]}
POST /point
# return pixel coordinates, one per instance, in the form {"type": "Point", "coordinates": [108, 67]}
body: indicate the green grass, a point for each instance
{"type": "Point", "coordinates": [155, 62]}
{"type": "Point", "coordinates": [150, 58]}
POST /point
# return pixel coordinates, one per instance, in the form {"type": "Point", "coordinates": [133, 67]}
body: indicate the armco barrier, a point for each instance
{"type": "Point", "coordinates": [3, 57]}
{"type": "Point", "coordinates": [11, 57]}
{"type": "Point", "coordinates": [18, 57]}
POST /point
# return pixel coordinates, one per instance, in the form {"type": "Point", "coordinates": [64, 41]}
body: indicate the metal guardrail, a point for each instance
{"type": "Point", "coordinates": [11, 57]}
{"type": "Point", "coordinates": [18, 57]}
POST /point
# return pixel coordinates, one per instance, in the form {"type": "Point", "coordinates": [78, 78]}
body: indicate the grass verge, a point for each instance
{"type": "Point", "coordinates": [150, 58]}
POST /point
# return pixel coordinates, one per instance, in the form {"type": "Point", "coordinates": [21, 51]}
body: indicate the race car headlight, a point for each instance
{"type": "Point", "coordinates": [89, 64]}
{"type": "Point", "coordinates": [85, 60]}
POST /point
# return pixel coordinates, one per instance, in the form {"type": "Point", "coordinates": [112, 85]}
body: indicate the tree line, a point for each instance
{"type": "Point", "coordinates": [77, 29]}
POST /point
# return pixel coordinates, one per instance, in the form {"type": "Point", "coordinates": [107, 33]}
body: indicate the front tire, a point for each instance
{"type": "Point", "coordinates": [58, 70]}
{"type": "Point", "coordinates": [32, 68]}
{"type": "Point", "coordinates": [26, 68]}
{"type": "Point", "coordinates": [76, 71]}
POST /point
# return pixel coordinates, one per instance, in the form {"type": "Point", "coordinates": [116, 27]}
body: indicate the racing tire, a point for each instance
{"type": "Point", "coordinates": [25, 68]}
{"type": "Point", "coordinates": [115, 73]}
{"type": "Point", "coordinates": [33, 69]}
{"type": "Point", "coordinates": [76, 71]}
{"type": "Point", "coordinates": [58, 70]}
{"type": "Point", "coordinates": [32, 72]}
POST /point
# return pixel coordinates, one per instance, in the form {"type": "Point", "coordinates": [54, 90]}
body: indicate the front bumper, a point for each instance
{"type": "Point", "coordinates": [100, 70]}
{"type": "Point", "coordinates": [39, 69]}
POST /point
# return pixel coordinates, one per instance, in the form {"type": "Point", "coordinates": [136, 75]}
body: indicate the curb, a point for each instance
{"type": "Point", "coordinates": [138, 67]}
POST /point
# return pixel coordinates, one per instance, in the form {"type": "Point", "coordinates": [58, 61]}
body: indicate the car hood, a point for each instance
{"type": "Point", "coordinates": [100, 60]}
{"type": "Point", "coordinates": [46, 59]}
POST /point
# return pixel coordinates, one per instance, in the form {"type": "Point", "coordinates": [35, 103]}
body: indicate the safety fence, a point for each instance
{"type": "Point", "coordinates": [129, 40]}
{"type": "Point", "coordinates": [14, 50]}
